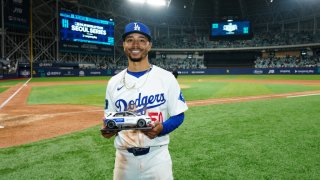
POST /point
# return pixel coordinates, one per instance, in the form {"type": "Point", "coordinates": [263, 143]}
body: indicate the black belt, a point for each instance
{"type": "Point", "coordinates": [137, 151]}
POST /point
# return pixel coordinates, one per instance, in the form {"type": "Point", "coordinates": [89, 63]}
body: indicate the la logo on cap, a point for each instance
{"type": "Point", "coordinates": [136, 27]}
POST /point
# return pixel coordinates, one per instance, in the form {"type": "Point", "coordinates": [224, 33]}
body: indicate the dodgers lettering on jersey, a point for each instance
{"type": "Point", "coordinates": [141, 103]}
{"type": "Point", "coordinates": [157, 95]}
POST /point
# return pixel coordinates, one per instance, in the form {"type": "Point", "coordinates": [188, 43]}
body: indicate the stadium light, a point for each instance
{"type": "Point", "coordinates": [152, 2]}
{"type": "Point", "coordinates": [138, 1]}
{"type": "Point", "coordinates": [156, 2]}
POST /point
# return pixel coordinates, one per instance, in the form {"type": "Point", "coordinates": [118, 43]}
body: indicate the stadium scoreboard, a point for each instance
{"type": "Point", "coordinates": [230, 29]}
{"type": "Point", "coordinates": [83, 34]}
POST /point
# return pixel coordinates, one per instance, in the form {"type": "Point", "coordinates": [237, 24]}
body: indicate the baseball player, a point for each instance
{"type": "Point", "coordinates": [150, 90]}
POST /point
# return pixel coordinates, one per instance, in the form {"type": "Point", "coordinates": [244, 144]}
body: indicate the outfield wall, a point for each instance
{"type": "Point", "coordinates": [253, 71]}
{"type": "Point", "coordinates": [57, 72]}
{"type": "Point", "coordinates": [9, 76]}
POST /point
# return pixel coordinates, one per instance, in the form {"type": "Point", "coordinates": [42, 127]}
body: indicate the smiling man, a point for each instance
{"type": "Point", "coordinates": [147, 90]}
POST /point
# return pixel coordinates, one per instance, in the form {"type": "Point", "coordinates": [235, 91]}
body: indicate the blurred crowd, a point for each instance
{"type": "Point", "coordinates": [263, 39]}
{"type": "Point", "coordinates": [179, 63]}
{"type": "Point", "coordinates": [288, 62]}
{"type": "Point", "coordinates": [166, 63]}
{"type": "Point", "coordinates": [8, 66]}
{"type": "Point", "coordinates": [258, 40]}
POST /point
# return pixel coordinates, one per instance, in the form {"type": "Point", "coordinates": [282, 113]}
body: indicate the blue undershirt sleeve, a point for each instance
{"type": "Point", "coordinates": [171, 124]}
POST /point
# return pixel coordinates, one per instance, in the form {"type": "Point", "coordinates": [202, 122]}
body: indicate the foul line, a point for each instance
{"type": "Point", "coordinates": [303, 95]}
{"type": "Point", "coordinates": [15, 93]}
{"type": "Point", "coordinates": [54, 114]}
{"type": "Point", "coordinates": [217, 101]}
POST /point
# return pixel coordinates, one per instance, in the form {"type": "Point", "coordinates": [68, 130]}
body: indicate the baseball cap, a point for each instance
{"type": "Point", "coordinates": [136, 27]}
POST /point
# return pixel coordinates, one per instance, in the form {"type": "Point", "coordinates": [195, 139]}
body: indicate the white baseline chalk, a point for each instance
{"type": "Point", "coordinates": [15, 93]}
{"type": "Point", "coordinates": [303, 95]}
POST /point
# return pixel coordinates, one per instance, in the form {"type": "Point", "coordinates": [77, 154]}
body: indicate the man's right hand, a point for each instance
{"type": "Point", "coordinates": [108, 134]}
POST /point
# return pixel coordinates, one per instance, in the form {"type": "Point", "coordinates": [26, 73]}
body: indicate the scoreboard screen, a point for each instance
{"type": "Point", "coordinates": [84, 34]}
{"type": "Point", "coordinates": [230, 30]}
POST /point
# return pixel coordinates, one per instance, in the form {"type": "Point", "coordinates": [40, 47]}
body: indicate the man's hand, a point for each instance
{"type": "Point", "coordinates": [109, 134]}
{"type": "Point", "coordinates": [155, 131]}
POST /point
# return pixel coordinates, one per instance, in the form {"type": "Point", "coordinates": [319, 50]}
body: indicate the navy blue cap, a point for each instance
{"type": "Point", "coordinates": [136, 27]}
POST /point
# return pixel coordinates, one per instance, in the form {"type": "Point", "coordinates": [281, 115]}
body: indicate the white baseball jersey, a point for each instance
{"type": "Point", "coordinates": [156, 93]}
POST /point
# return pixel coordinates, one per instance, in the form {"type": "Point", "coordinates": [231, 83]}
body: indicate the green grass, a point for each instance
{"type": "Point", "coordinates": [6, 84]}
{"type": "Point", "coordinates": [12, 82]}
{"type": "Point", "coordinates": [93, 94]}
{"type": "Point", "coordinates": [3, 89]}
{"type": "Point", "coordinates": [57, 79]}
{"type": "Point", "coordinates": [83, 155]}
{"type": "Point", "coordinates": [273, 139]}
{"type": "Point", "coordinates": [84, 94]}
{"type": "Point", "coordinates": [205, 90]}
{"type": "Point", "coordinates": [262, 77]}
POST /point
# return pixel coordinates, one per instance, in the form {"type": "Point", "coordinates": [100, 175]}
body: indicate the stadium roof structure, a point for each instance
{"type": "Point", "coordinates": [180, 15]}
{"type": "Point", "coordinates": [197, 13]}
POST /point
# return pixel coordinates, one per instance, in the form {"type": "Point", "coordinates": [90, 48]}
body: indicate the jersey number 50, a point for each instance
{"type": "Point", "coordinates": [156, 116]}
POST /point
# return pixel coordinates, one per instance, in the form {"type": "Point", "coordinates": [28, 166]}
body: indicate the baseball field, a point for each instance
{"type": "Point", "coordinates": [237, 127]}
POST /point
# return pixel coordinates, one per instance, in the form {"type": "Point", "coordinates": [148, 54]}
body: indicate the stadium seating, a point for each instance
{"type": "Point", "coordinates": [259, 40]}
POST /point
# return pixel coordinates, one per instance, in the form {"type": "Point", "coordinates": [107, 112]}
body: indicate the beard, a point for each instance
{"type": "Point", "coordinates": [138, 59]}
{"type": "Point", "coordinates": [135, 59]}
